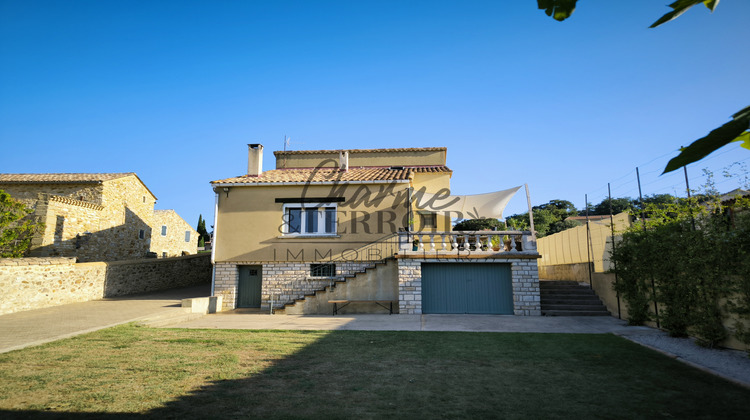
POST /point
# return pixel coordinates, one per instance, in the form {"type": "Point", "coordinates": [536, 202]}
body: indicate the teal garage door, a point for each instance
{"type": "Point", "coordinates": [455, 288]}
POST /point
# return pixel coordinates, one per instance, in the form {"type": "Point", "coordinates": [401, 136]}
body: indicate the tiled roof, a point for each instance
{"type": "Point", "coordinates": [333, 174]}
{"type": "Point", "coordinates": [398, 150]}
{"type": "Point", "coordinates": [60, 178]}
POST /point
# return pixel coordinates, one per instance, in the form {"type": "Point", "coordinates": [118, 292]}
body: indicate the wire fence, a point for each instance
{"type": "Point", "coordinates": [722, 171]}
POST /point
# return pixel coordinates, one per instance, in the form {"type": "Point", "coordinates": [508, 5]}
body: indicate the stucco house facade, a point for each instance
{"type": "Point", "coordinates": [359, 226]}
{"type": "Point", "coordinates": [91, 216]}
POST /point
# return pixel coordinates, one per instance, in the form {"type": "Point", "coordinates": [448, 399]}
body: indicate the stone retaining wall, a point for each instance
{"type": "Point", "coordinates": [34, 283]}
{"type": "Point", "coordinates": [282, 281]}
{"type": "Point", "coordinates": [524, 278]}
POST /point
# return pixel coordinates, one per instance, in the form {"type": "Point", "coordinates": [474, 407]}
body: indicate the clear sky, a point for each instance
{"type": "Point", "coordinates": [174, 90]}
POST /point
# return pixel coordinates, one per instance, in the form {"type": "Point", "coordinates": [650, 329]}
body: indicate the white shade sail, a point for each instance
{"type": "Point", "coordinates": [489, 205]}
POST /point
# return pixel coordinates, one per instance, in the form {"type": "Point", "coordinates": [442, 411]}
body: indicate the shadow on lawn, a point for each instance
{"type": "Point", "coordinates": [366, 374]}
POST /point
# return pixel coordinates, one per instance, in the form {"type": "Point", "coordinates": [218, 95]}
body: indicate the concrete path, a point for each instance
{"type": "Point", "coordinates": [30, 328]}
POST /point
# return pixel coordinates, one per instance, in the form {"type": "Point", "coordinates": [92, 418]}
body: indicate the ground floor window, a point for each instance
{"type": "Point", "coordinates": [323, 270]}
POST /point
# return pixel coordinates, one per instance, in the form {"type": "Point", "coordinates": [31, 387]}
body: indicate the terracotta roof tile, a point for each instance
{"type": "Point", "coordinates": [397, 150]}
{"type": "Point", "coordinates": [74, 178]}
{"type": "Point", "coordinates": [333, 174]}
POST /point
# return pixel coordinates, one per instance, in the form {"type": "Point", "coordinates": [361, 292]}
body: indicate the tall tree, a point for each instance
{"type": "Point", "coordinates": [201, 229]}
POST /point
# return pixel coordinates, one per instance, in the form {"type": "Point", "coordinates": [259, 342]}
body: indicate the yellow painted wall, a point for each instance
{"type": "Point", "coordinates": [432, 183]}
{"type": "Point", "coordinates": [250, 222]}
{"type": "Point", "coordinates": [357, 159]}
{"type": "Point", "coordinates": [569, 246]}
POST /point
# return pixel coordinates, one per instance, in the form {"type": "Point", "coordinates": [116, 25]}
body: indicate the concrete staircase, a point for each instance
{"type": "Point", "coordinates": [569, 298]}
{"type": "Point", "coordinates": [373, 281]}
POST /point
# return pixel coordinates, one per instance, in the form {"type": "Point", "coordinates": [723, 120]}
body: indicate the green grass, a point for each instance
{"type": "Point", "coordinates": [176, 373]}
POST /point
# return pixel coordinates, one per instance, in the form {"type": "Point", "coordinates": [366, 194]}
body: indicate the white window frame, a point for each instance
{"type": "Point", "coordinates": [306, 207]}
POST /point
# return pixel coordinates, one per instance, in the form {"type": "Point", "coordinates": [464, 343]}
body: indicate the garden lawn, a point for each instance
{"type": "Point", "coordinates": [138, 371]}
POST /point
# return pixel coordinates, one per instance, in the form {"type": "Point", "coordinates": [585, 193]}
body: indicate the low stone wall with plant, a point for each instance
{"type": "Point", "coordinates": [34, 283]}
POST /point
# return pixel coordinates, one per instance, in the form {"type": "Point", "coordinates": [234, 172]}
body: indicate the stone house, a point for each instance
{"type": "Point", "coordinates": [93, 217]}
{"type": "Point", "coordinates": [367, 229]}
{"type": "Point", "coordinates": [172, 235]}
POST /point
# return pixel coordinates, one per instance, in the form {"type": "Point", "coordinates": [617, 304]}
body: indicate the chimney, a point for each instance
{"type": "Point", "coordinates": [254, 159]}
{"type": "Point", "coordinates": [343, 160]}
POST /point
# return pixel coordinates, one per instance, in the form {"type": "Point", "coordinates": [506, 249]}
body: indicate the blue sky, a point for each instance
{"type": "Point", "coordinates": [174, 90]}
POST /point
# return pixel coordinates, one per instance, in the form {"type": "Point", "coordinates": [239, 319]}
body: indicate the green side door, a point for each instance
{"type": "Point", "coordinates": [249, 288]}
{"type": "Point", "coordinates": [465, 288]}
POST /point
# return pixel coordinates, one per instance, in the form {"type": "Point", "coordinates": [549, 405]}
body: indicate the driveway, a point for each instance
{"type": "Point", "coordinates": [29, 328]}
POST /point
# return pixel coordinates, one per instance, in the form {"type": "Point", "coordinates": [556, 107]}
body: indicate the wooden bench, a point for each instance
{"type": "Point", "coordinates": [378, 302]}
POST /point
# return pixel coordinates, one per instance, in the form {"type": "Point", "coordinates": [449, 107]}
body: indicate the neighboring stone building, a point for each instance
{"type": "Point", "coordinates": [94, 217]}
{"type": "Point", "coordinates": [172, 236]}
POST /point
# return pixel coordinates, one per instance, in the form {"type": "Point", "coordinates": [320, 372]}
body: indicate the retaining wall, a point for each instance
{"type": "Point", "coordinates": [34, 283]}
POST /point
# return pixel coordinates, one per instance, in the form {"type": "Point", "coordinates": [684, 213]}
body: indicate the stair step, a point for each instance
{"type": "Point", "coordinates": [564, 307]}
{"type": "Point", "coordinates": [575, 313]}
{"type": "Point", "coordinates": [569, 298]}
{"type": "Point", "coordinates": [567, 293]}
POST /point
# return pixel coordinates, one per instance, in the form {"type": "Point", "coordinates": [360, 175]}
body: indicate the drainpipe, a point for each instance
{"type": "Point", "coordinates": [214, 242]}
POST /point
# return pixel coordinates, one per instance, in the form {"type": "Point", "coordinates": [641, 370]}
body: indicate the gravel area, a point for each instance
{"type": "Point", "coordinates": [730, 364]}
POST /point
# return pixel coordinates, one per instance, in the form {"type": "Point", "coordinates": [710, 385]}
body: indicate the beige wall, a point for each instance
{"type": "Point", "coordinates": [250, 222]}
{"type": "Point", "coordinates": [173, 243]}
{"type": "Point", "coordinates": [570, 246]}
{"type": "Point", "coordinates": [432, 183]}
{"type": "Point", "coordinates": [356, 159]}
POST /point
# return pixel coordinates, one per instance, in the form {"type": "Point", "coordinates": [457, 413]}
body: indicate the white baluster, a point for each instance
{"type": "Point", "coordinates": [477, 243]}
{"type": "Point", "coordinates": [421, 242]}
{"type": "Point", "coordinates": [455, 242]}
{"type": "Point", "coordinates": [466, 243]}
{"type": "Point", "coordinates": [432, 242]}
{"type": "Point", "coordinates": [442, 242]}
{"type": "Point", "coordinates": [512, 243]}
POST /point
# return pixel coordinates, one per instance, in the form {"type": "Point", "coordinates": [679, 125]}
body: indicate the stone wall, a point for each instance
{"type": "Point", "coordinates": [172, 243]}
{"type": "Point", "coordinates": [27, 193]}
{"type": "Point", "coordinates": [34, 283]}
{"type": "Point", "coordinates": [282, 281]}
{"type": "Point", "coordinates": [524, 277]}
{"type": "Point", "coordinates": [71, 228]}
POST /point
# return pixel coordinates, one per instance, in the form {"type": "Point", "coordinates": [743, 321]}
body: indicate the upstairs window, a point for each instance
{"type": "Point", "coordinates": [187, 236]}
{"type": "Point", "coordinates": [306, 219]}
{"type": "Point", "coordinates": [164, 230]}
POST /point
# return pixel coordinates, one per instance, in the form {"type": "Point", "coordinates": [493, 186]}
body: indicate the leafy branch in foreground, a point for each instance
{"type": "Point", "coordinates": [735, 130]}
{"type": "Point", "coordinates": [562, 9]}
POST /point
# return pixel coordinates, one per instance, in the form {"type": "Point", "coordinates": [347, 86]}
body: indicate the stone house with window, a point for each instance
{"type": "Point", "coordinates": [172, 235]}
{"type": "Point", "coordinates": [363, 230]}
{"type": "Point", "coordinates": [93, 217]}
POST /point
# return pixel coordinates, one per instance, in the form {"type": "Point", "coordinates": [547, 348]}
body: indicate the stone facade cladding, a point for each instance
{"type": "Point", "coordinates": [282, 282]}
{"type": "Point", "coordinates": [173, 243]}
{"type": "Point", "coordinates": [524, 278]}
{"type": "Point", "coordinates": [97, 217]}
{"type": "Point", "coordinates": [34, 283]}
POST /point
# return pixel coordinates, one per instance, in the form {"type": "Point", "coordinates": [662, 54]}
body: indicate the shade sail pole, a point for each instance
{"type": "Point", "coordinates": [531, 213]}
